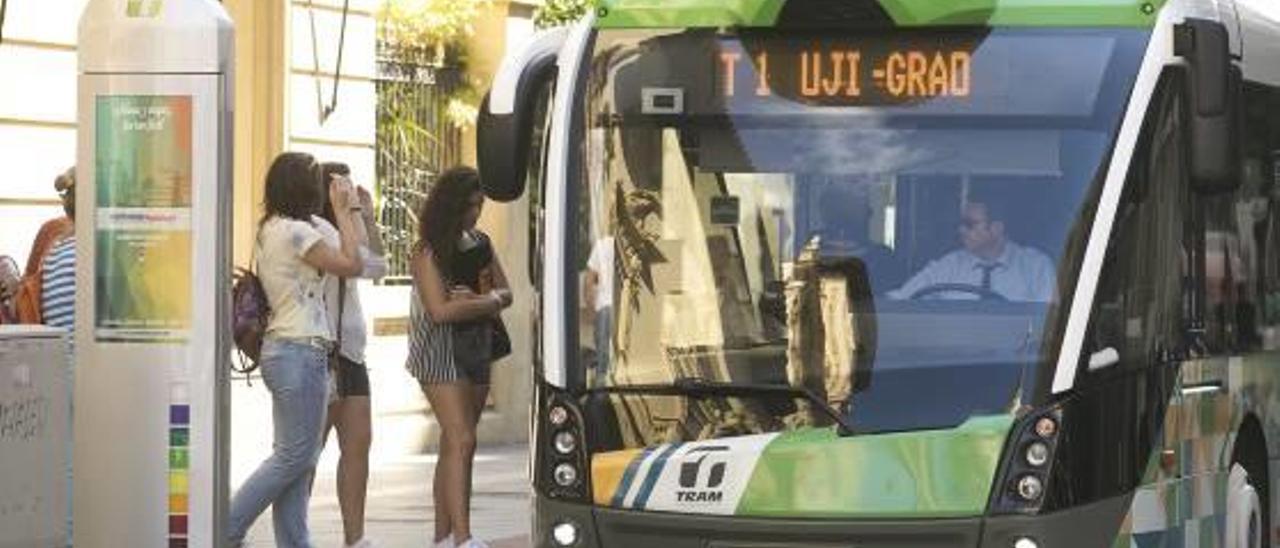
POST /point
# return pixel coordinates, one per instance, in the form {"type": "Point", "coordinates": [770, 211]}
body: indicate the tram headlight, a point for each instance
{"type": "Point", "coordinates": [565, 533]}
{"type": "Point", "coordinates": [562, 465]}
{"type": "Point", "coordinates": [1026, 542]}
{"type": "Point", "coordinates": [1037, 454]}
{"type": "Point", "coordinates": [1030, 488]}
{"type": "Point", "coordinates": [558, 415]}
{"type": "Point", "coordinates": [1046, 427]}
{"type": "Point", "coordinates": [565, 442]}
{"type": "Point", "coordinates": [565, 475]}
{"type": "Point", "coordinates": [1029, 460]}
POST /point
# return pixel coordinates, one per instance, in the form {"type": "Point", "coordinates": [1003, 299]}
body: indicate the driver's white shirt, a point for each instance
{"type": "Point", "coordinates": [1023, 274]}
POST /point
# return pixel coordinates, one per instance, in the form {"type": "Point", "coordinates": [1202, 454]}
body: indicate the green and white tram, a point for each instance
{"type": "Point", "coordinates": [872, 273]}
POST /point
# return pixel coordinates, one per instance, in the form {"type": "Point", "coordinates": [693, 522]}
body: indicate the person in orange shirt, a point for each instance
{"type": "Point", "coordinates": [27, 299]}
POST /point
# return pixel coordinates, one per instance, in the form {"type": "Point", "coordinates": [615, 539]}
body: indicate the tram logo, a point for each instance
{"type": "Point", "coordinates": [697, 486]}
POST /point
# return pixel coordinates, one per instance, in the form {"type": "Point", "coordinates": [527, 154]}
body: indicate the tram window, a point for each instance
{"type": "Point", "coordinates": [1141, 304]}
{"type": "Point", "coordinates": [1239, 283]}
{"type": "Point", "coordinates": [1227, 270]}
{"type": "Point", "coordinates": [1229, 247]}
{"type": "Point", "coordinates": [1262, 181]}
{"type": "Point", "coordinates": [536, 174]}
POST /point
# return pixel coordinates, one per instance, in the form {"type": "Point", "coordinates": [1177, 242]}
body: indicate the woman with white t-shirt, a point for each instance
{"type": "Point", "coordinates": [294, 263]}
{"type": "Point", "coordinates": [349, 406]}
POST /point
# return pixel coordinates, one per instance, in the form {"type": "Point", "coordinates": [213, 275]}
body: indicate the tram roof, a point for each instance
{"type": "Point", "coordinates": [876, 13]}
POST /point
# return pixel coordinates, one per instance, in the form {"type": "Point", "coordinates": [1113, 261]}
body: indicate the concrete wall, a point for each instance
{"type": "Point", "coordinates": [37, 115]}
{"type": "Point", "coordinates": [276, 110]}
{"type": "Point", "coordinates": [348, 134]}
{"type": "Point", "coordinates": [261, 67]}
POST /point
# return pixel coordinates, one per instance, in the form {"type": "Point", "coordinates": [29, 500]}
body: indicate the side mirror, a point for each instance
{"type": "Point", "coordinates": [505, 126]}
{"type": "Point", "coordinates": [1215, 88]}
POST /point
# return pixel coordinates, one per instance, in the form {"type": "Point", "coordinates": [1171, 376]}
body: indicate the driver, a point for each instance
{"type": "Point", "coordinates": [990, 262]}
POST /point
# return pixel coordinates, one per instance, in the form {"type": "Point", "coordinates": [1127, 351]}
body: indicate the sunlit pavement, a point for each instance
{"type": "Point", "coordinates": [400, 508]}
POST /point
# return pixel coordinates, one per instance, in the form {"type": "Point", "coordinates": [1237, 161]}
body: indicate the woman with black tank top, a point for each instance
{"type": "Point", "coordinates": [457, 281]}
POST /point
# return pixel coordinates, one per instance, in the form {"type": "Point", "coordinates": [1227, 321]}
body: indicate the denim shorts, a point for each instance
{"type": "Point", "coordinates": [351, 377]}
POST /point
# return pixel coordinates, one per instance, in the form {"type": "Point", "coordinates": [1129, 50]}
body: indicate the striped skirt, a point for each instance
{"type": "Point", "coordinates": [430, 347]}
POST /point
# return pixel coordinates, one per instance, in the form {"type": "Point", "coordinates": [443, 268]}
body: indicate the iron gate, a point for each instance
{"type": "Point", "coordinates": [415, 142]}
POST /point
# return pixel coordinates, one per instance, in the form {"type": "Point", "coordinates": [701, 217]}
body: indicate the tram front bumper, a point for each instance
{"type": "Point", "coordinates": [611, 528]}
{"type": "Point", "coordinates": [596, 527]}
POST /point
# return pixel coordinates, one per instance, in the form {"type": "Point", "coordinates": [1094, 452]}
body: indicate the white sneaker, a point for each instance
{"type": "Point", "coordinates": [474, 542]}
{"type": "Point", "coordinates": [447, 542]}
{"type": "Point", "coordinates": [362, 543]}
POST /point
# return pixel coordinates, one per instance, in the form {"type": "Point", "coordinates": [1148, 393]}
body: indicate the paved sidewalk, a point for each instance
{"type": "Point", "coordinates": [400, 510]}
{"type": "Point", "coordinates": [400, 507]}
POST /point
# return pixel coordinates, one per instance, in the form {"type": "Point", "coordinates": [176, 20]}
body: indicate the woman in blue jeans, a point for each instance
{"type": "Point", "coordinates": [294, 262]}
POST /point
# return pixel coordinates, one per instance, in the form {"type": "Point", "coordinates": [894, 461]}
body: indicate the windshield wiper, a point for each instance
{"type": "Point", "coordinates": [697, 387]}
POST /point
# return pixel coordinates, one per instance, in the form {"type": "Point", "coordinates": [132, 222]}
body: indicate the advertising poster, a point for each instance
{"type": "Point", "coordinates": [142, 274]}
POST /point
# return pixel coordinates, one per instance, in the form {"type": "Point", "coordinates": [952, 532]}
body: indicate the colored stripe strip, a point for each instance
{"type": "Point", "coordinates": [177, 504]}
{"type": "Point", "coordinates": [179, 459]}
{"type": "Point", "coordinates": [179, 437]}
{"type": "Point", "coordinates": [651, 479]}
{"type": "Point", "coordinates": [179, 414]}
{"type": "Point", "coordinates": [624, 486]}
{"type": "Point", "coordinates": [643, 472]}
{"type": "Point", "coordinates": [178, 524]}
{"type": "Point", "coordinates": [178, 483]}
{"type": "Point", "coordinates": [179, 464]}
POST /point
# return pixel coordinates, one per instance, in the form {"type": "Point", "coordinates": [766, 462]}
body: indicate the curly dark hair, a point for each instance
{"type": "Point", "coordinates": [293, 189]}
{"type": "Point", "coordinates": [327, 171]}
{"type": "Point", "coordinates": [441, 216]}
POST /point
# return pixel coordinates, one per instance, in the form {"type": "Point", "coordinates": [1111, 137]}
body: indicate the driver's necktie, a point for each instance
{"type": "Point", "coordinates": [986, 269]}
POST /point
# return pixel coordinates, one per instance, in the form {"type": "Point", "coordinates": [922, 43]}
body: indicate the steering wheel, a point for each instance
{"type": "Point", "coordinates": [983, 294]}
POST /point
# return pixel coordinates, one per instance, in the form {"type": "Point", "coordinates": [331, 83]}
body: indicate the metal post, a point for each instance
{"type": "Point", "coordinates": [153, 257]}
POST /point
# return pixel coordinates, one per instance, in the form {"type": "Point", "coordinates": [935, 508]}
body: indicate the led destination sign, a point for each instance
{"type": "Point", "coordinates": [844, 73]}
{"type": "Point", "coordinates": [769, 77]}
{"type": "Point", "coordinates": [836, 74]}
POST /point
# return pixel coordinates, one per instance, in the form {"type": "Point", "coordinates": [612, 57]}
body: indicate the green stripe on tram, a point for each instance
{"type": "Point", "coordinates": [907, 13]}
{"type": "Point", "coordinates": [1025, 13]}
{"type": "Point", "coordinates": [938, 473]}
{"type": "Point", "coordinates": [687, 13]}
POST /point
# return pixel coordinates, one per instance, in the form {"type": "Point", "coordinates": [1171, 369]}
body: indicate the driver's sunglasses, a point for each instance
{"type": "Point", "coordinates": [971, 224]}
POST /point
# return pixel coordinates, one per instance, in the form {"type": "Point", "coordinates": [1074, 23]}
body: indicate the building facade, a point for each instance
{"type": "Point", "coordinates": [287, 63]}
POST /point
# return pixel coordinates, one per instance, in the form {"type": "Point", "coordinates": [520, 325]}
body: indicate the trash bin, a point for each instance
{"type": "Point", "coordinates": [35, 437]}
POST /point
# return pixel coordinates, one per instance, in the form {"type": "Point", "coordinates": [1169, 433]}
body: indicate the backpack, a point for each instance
{"type": "Point", "coordinates": [250, 313]}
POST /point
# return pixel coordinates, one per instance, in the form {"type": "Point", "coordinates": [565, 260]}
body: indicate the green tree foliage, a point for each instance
{"type": "Point", "coordinates": [432, 33]}
{"type": "Point", "coordinates": [554, 13]}
{"type": "Point", "coordinates": [436, 27]}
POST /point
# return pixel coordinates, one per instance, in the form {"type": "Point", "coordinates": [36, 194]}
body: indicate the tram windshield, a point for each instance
{"type": "Point", "coordinates": [871, 218]}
